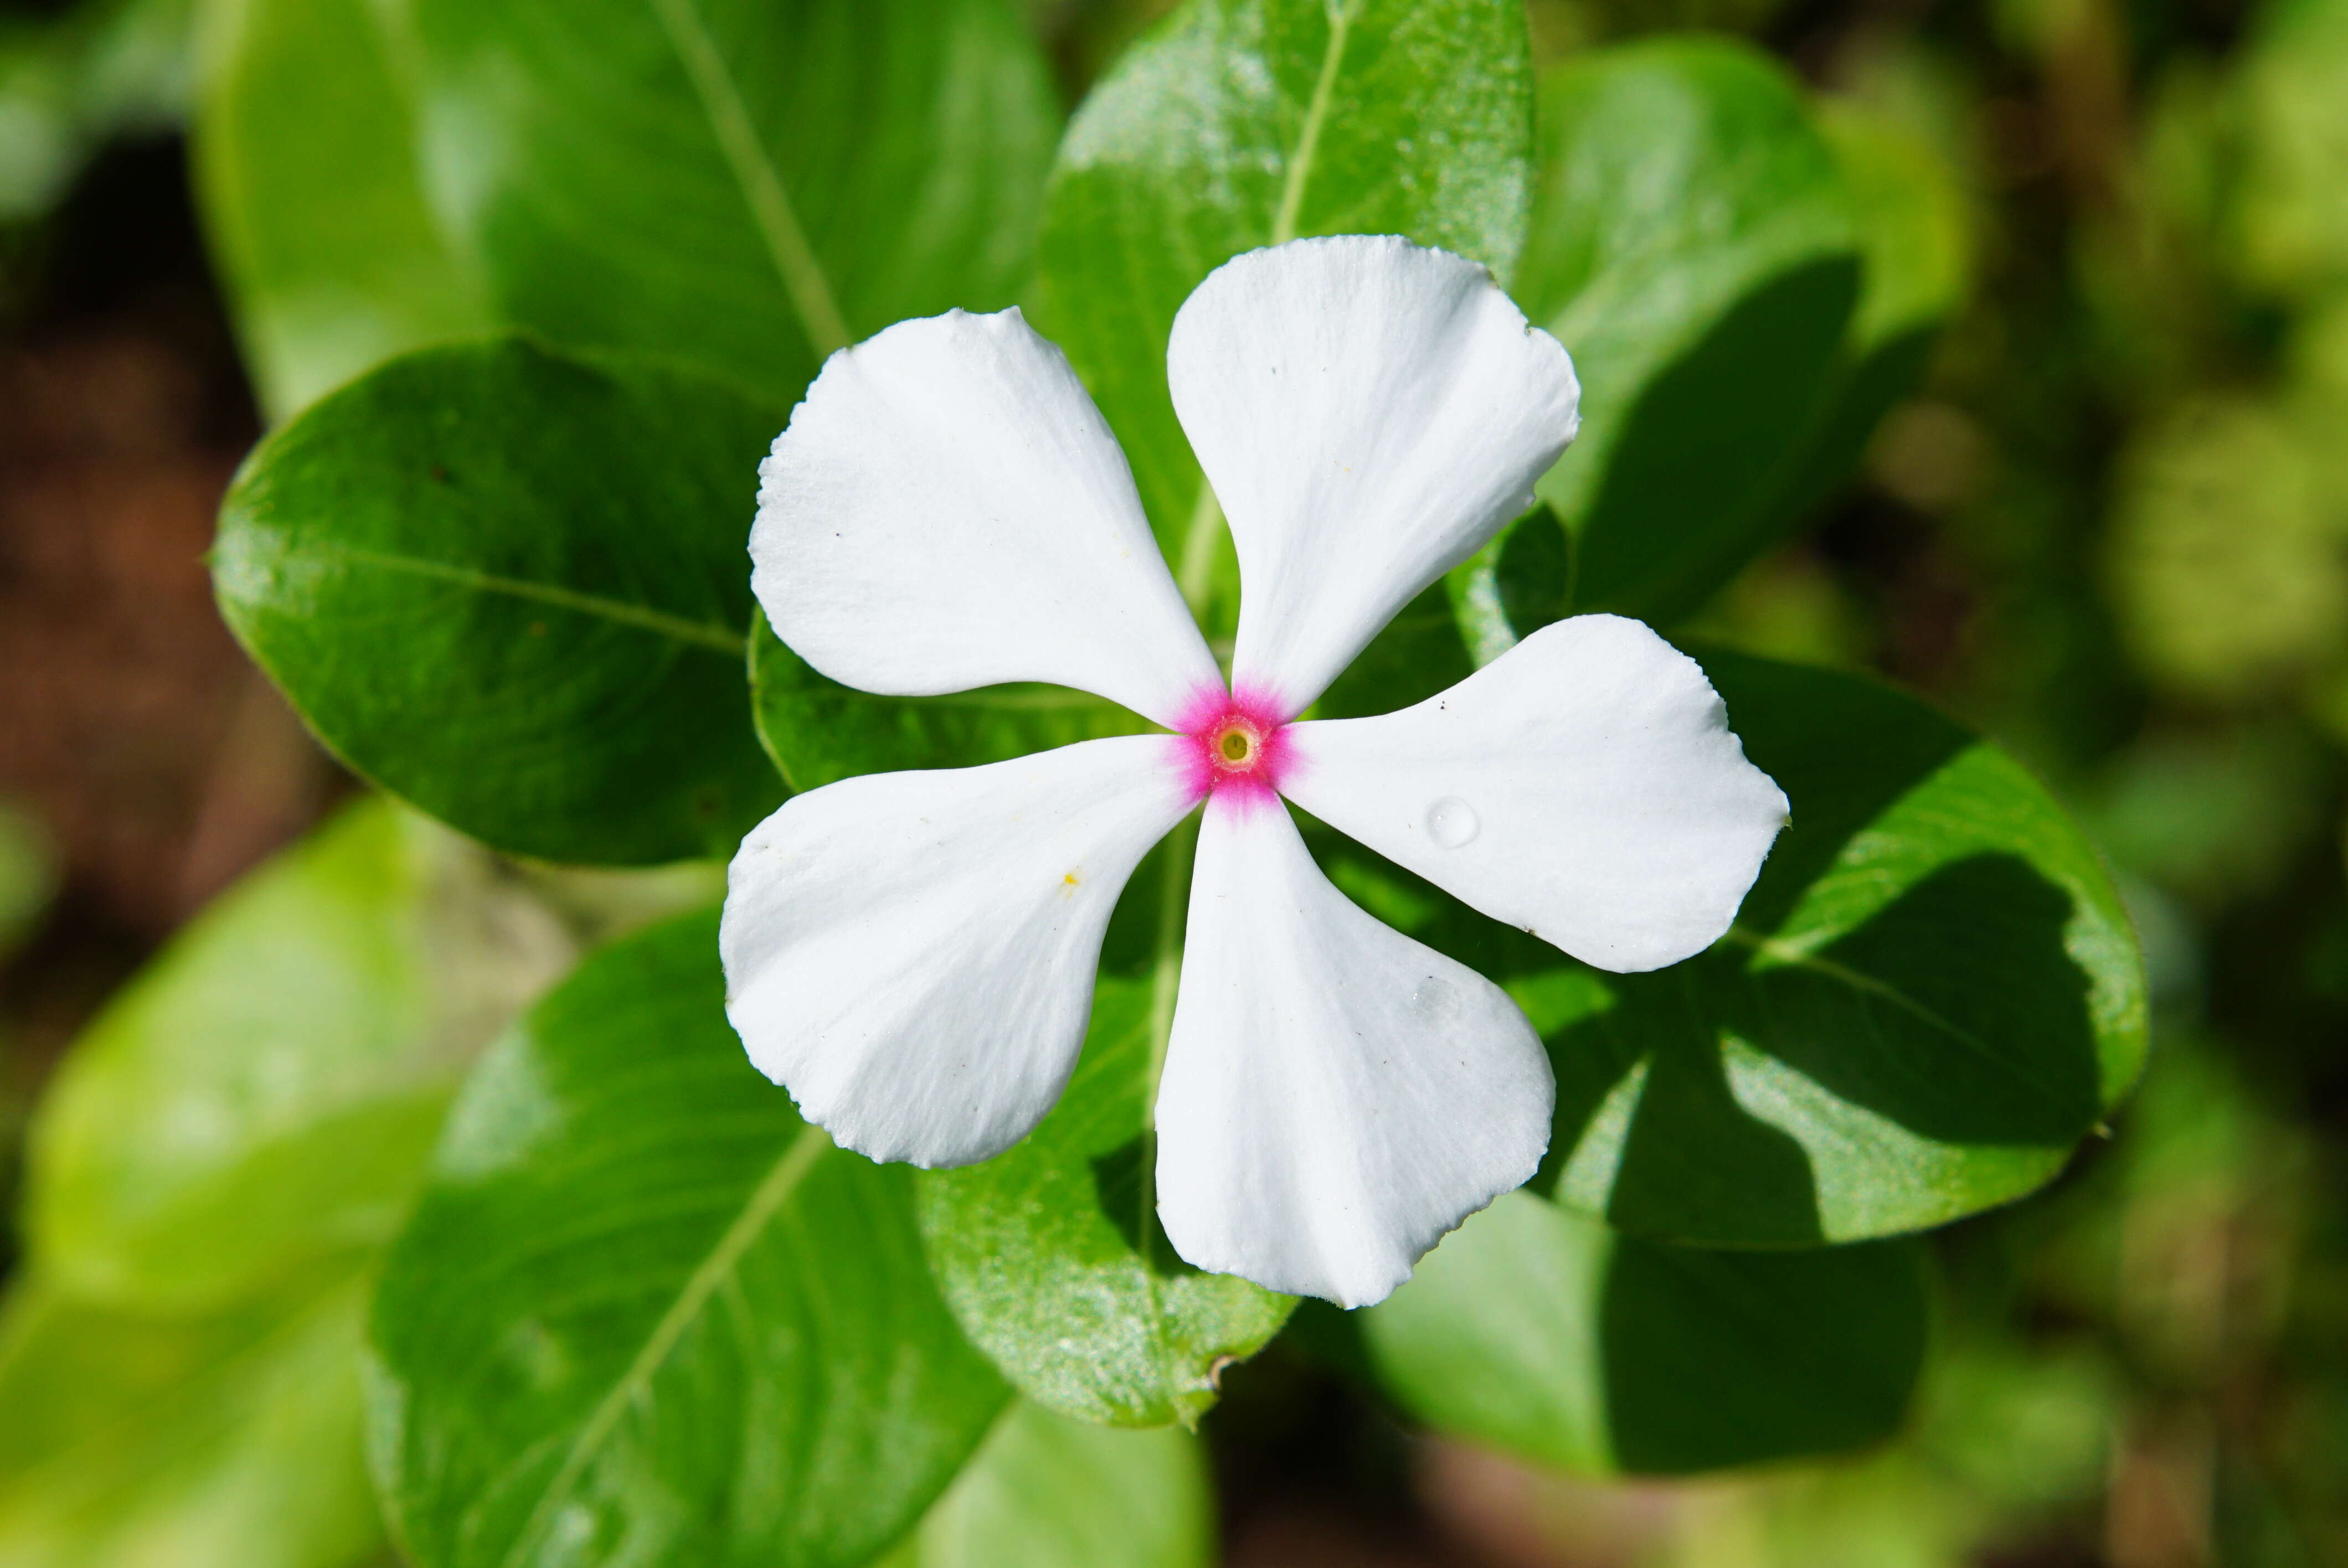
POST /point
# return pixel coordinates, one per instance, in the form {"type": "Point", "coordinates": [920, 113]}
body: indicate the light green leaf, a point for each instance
{"type": "Point", "coordinates": [509, 586]}
{"type": "Point", "coordinates": [1930, 996]}
{"type": "Point", "coordinates": [2286, 231]}
{"type": "Point", "coordinates": [305, 166]}
{"type": "Point", "coordinates": [1546, 1334]}
{"type": "Point", "coordinates": [1242, 123]}
{"type": "Point", "coordinates": [819, 731]}
{"type": "Point", "coordinates": [1049, 1492]}
{"type": "Point", "coordinates": [643, 1312]}
{"type": "Point", "coordinates": [264, 1094]}
{"type": "Point", "coordinates": [229, 1439]}
{"type": "Point", "coordinates": [746, 184]}
{"type": "Point", "coordinates": [2223, 555]}
{"type": "Point", "coordinates": [1691, 245]}
{"type": "Point", "coordinates": [1052, 1256]}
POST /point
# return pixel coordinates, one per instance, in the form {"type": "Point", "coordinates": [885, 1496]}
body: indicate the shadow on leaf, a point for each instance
{"type": "Point", "coordinates": [1128, 1197]}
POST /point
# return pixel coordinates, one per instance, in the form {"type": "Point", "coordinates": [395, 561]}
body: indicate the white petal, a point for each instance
{"type": "Point", "coordinates": [1584, 786]}
{"type": "Point", "coordinates": [1336, 1096]}
{"type": "Point", "coordinates": [912, 955]}
{"type": "Point", "coordinates": [1370, 412]}
{"type": "Point", "coordinates": [948, 509]}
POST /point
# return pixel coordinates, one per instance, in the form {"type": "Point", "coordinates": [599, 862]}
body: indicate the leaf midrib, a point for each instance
{"type": "Point", "coordinates": [642, 617]}
{"type": "Point", "coordinates": [1787, 956]}
{"type": "Point", "coordinates": [774, 1189]}
{"type": "Point", "coordinates": [755, 174]}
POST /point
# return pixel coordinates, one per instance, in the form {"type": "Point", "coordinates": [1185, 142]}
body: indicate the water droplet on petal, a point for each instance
{"type": "Point", "coordinates": [1434, 1000]}
{"type": "Point", "coordinates": [1451, 822]}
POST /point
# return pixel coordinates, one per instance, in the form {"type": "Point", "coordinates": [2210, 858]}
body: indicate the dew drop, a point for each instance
{"type": "Point", "coordinates": [1451, 822]}
{"type": "Point", "coordinates": [1434, 1000]}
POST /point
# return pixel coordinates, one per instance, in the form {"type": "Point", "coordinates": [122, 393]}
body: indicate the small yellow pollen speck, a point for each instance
{"type": "Point", "coordinates": [1070, 879]}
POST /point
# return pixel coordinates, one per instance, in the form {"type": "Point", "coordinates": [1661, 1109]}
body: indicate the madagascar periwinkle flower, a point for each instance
{"type": "Point", "coordinates": [912, 955]}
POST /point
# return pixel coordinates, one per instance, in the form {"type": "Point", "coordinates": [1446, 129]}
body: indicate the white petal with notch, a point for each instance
{"type": "Point", "coordinates": [1584, 786]}
{"type": "Point", "coordinates": [1370, 413]}
{"type": "Point", "coordinates": [912, 955]}
{"type": "Point", "coordinates": [947, 510]}
{"type": "Point", "coordinates": [1336, 1096]}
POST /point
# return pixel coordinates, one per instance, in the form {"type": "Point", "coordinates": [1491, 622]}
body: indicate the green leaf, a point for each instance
{"type": "Point", "coordinates": [509, 586]}
{"type": "Point", "coordinates": [1930, 996]}
{"type": "Point", "coordinates": [643, 1311]}
{"type": "Point", "coordinates": [1552, 1337]}
{"type": "Point", "coordinates": [265, 1092]}
{"type": "Point", "coordinates": [749, 185]}
{"type": "Point", "coordinates": [1048, 1493]}
{"type": "Point", "coordinates": [1242, 123]}
{"type": "Point", "coordinates": [1418, 654]}
{"type": "Point", "coordinates": [1052, 1256]}
{"type": "Point", "coordinates": [1691, 245]}
{"type": "Point", "coordinates": [305, 164]}
{"type": "Point", "coordinates": [819, 731]}
{"type": "Point", "coordinates": [230, 1438]}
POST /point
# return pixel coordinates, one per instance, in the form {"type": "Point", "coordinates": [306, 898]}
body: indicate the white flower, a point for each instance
{"type": "Point", "coordinates": [912, 955]}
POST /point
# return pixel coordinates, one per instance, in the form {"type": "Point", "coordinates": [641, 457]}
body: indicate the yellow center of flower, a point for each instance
{"type": "Point", "coordinates": [1237, 744]}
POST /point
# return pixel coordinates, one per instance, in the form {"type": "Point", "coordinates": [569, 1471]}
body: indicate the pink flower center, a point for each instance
{"type": "Point", "coordinates": [1234, 744]}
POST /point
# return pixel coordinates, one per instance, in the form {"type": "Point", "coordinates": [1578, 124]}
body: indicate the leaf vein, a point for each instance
{"type": "Point", "coordinates": [755, 172]}
{"type": "Point", "coordinates": [713, 1271]}
{"type": "Point", "coordinates": [1790, 957]}
{"type": "Point", "coordinates": [699, 633]}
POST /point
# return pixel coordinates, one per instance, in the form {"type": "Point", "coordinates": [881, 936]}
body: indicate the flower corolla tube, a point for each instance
{"type": "Point", "coordinates": [912, 955]}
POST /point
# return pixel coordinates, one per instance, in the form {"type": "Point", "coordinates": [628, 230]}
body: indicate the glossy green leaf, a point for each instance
{"type": "Point", "coordinates": [1930, 996]}
{"type": "Point", "coordinates": [1691, 245]}
{"type": "Point", "coordinates": [509, 585]}
{"type": "Point", "coordinates": [748, 185]}
{"type": "Point", "coordinates": [230, 1438]}
{"type": "Point", "coordinates": [643, 1312]}
{"type": "Point", "coordinates": [1053, 1258]}
{"type": "Point", "coordinates": [265, 1092]}
{"type": "Point", "coordinates": [305, 164]}
{"type": "Point", "coordinates": [1242, 123]}
{"type": "Point", "coordinates": [1049, 1492]}
{"type": "Point", "coordinates": [1546, 1334]}
{"type": "Point", "coordinates": [818, 731]}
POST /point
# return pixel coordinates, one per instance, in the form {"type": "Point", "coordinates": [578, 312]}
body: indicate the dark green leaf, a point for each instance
{"type": "Point", "coordinates": [1053, 1258]}
{"type": "Point", "coordinates": [510, 587]}
{"type": "Point", "coordinates": [1418, 654]}
{"type": "Point", "coordinates": [305, 159]}
{"type": "Point", "coordinates": [229, 1439]}
{"type": "Point", "coordinates": [1930, 996]}
{"type": "Point", "coordinates": [1552, 1337]}
{"type": "Point", "coordinates": [1048, 1493]}
{"type": "Point", "coordinates": [645, 1312]}
{"type": "Point", "coordinates": [1691, 245]}
{"type": "Point", "coordinates": [818, 731]}
{"type": "Point", "coordinates": [750, 185]}
{"type": "Point", "coordinates": [1242, 123]}
{"type": "Point", "coordinates": [266, 1091]}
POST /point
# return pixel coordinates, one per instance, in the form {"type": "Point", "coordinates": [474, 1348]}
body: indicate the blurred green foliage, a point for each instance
{"type": "Point", "coordinates": [2111, 529]}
